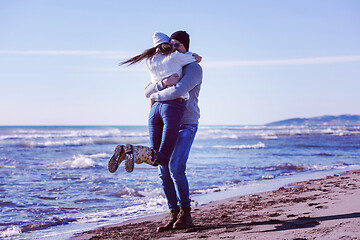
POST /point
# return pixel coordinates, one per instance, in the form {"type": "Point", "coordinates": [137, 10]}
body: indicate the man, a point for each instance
{"type": "Point", "coordinates": [173, 177]}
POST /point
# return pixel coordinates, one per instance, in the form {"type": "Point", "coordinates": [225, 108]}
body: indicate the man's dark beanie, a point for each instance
{"type": "Point", "coordinates": [182, 37]}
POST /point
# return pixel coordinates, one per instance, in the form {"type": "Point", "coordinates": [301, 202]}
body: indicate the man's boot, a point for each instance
{"type": "Point", "coordinates": [117, 158]}
{"type": "Point", "coordinates": [184, 219]}
{"type": "Point", "coordinates": [169, 225]}
{"type": "Point", "coordinates": [139, 154]}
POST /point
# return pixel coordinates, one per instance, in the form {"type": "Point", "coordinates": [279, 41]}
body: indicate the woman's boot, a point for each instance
{"type": "Point", "coordinates": [169, 225]}
{"type": "Point", "coordinates": [184, 219]}
{"type": "Point", "coordinates": [117, 158]}
{"type": "Point", "coordinates": [139, 154]}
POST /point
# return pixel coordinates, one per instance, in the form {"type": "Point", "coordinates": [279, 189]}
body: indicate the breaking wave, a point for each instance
{"type": "Point", "coordinates": [80, 142]}
{"type": "Point", "coordinates": [68, 143]}
{"type": "Point", "coordinates": [240, 147]}
{"type": "Point", "coordinates": [65, 137]}
{"type": "Point", "coordinates": [79, 161]}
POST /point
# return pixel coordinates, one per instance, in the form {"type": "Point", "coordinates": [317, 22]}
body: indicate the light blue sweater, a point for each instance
{"type": "Point", "coordinates": [190, 82]}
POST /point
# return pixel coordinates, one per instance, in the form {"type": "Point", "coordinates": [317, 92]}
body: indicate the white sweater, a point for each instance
{"type": "Point", "coordinates": [162, 66]}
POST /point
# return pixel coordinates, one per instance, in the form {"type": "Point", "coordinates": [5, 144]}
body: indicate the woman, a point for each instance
{"type": "Point", "coordinates": [165, 116]}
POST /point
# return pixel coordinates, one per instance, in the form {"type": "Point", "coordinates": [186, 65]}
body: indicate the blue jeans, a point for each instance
{"type": "Point", "coordinates": [164, 124]}
{"type": "Point", "coordinates": [173, 178]}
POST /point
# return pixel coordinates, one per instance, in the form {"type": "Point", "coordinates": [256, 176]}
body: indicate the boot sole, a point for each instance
{"type": "Point", "coordinates": [164, 229]}
{"type": "Point", "coordinates": [183, 227]}
{"type": "Point", "coordinates": [129, 161]}
{"type": "Point", "coordinates": [114, 161]}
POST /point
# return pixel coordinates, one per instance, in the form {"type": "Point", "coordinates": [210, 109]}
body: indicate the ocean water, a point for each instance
{"type": "Point", "coordinates": [54, 181]}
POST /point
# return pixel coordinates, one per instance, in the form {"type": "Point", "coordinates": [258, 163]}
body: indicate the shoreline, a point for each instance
{"type": "Point", "coordinates": [308, 209]}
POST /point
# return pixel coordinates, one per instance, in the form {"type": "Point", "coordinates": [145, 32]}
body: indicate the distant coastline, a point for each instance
{"type": "Point", "coordinates": [326, 120]}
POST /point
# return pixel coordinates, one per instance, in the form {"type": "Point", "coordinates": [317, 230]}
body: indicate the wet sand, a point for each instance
{"type": "Point", "coordinates": [327, 208]}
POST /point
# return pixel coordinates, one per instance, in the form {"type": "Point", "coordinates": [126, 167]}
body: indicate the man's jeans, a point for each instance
{"type": "Point", "coordinates": [173, 178]}
{"type": "Point", "coordinates": [164, 124]}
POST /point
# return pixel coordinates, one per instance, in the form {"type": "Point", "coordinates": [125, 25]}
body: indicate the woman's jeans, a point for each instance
{"type": "Point", "coordinates": [164, 124]}
{"type": "Point", "coordinates": [173, 178]}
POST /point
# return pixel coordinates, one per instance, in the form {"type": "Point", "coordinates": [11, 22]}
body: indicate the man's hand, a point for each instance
{"type": "Point", "coordinates": [170, 81]}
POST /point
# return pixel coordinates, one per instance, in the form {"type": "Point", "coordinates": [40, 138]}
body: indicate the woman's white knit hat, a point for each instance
{"type": "Point", "coordinates": [159, 38]}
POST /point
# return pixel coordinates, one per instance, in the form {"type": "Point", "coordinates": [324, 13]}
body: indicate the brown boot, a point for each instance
{"type": "Point", "coordinates": [169, 225]}
{"type": "Point", "coordinates": [184, 220]}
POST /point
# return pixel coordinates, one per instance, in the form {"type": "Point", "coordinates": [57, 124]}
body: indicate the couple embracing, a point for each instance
{"type": "Point", "coordinates": [174, 89]}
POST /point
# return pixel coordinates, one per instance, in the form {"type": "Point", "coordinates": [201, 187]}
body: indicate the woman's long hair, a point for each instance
{"type": "Point", "coordinates": [164, 48]}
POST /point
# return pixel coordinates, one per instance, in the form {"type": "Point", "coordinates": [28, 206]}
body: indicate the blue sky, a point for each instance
{"type": "Point", "coordinates": [263, 60]}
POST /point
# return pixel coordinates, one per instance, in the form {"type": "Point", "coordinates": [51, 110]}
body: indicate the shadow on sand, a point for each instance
{"type": "Point", "coordinates": [281, 225]}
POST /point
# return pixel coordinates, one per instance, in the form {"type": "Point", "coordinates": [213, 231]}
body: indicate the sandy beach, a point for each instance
{"type": "Point", "coordinates": [325, 208]}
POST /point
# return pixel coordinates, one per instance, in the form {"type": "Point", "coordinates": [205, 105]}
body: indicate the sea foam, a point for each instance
{"type": "Point", "coordinates": [11, 231]}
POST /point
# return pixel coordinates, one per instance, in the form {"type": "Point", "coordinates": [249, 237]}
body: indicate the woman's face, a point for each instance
{"type": "Point", "coordinates": [179, 46]}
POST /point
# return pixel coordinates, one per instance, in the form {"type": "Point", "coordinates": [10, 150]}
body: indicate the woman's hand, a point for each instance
{"type": "Point", "coordinates": [170, 81]}
{"type": "Point", "coordinates": [197, 57]}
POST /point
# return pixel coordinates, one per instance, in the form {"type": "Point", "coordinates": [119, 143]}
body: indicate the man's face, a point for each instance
{"type": "Point", "coordinates": [176, 45]}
